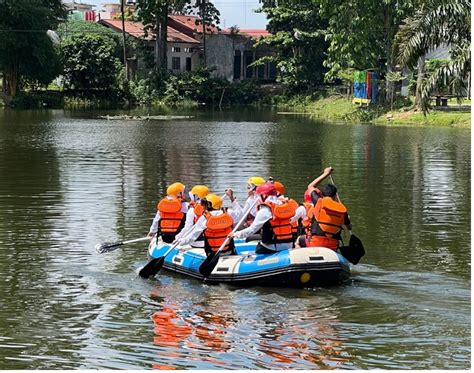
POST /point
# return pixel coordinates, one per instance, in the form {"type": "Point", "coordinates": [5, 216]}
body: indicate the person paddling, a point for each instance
{"type": "Point", "coordinates": [170, 215]}
{"type": "Point", "coordinates": [215, 224]}
{"type": "Point", "coordinates": [327, 217]}
{"type": "Point", "coordinates": [252, 184]}
{"type": "Point", "coordinates": [195, 210]}
{"type": "Point", "coordinates": [300, 211]}
{"type": "Point", "coordinates": [273, 219]}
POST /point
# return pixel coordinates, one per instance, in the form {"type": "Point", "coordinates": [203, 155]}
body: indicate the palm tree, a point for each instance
{"type": "Point", "coordinates": [436, 23]}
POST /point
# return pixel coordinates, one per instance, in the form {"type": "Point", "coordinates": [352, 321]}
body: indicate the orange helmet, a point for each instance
{"type": "Point", "coordinates": [280, 188]}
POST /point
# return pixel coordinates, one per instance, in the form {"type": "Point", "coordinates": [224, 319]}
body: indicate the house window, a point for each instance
{"type": "Point", "coordinates": [188, 64]}
{"type": "Point", "coordinates": [176, 49]}
{"type": "Point", "coordinates": [176, 63]}
{"type": "Point", "coordinates": [150, 48]}
{"type": "Point", "coordinates": [272, 71]}
{"type": "Point", "coordinates": [188, 50]}
{"type": "Point", "coordinates": [248, 69]}
{"type": "Point", "coordinates": [237, 65]}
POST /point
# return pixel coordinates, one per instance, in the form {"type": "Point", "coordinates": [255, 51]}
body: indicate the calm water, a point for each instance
{"type": "Point", "coordinates": [70, 180]}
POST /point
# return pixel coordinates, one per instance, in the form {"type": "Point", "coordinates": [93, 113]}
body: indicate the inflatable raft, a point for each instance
{"type": "Point", "coordinates": [302, 267]}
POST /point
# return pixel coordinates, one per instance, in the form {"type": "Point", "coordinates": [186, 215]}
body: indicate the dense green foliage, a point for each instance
{"type": "Point", "coordinates": [89, 55]}
{"type": "Point", "coordinates": [437, 23]}
{"type": "Point", "coordinates": [297, 37]}
{"type": "Point", "coordinates": [197, 86]}
{"type": "Point", "coordinates": [27, 55]}
{"type": "Point", "coordinates": [385, 35]}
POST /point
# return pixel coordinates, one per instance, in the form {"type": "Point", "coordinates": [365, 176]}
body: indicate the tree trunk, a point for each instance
{"type": "Point", "coordinates": [419, 81]}
{"type": "Point", "coordinates": [203, 16]}
{"type": "Point", "coordinates": [11, 78]}
{"type": "Point", "coordinates": [162, 36]}
{"type": "Point", "coordinates": [389, 35]}
{"type": "Point", "coordinates": [124, 40]}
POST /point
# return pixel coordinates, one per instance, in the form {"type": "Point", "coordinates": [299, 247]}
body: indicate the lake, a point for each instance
{"type": "Point", "coordinates": [69, 180]}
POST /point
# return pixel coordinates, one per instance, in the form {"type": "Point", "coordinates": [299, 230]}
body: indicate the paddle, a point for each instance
{"type": "Point", "coordinates": [210, 262]}
{"type": "Point", "coordinates": [105, 247]}
{"type": "Point", "coordinates": [355, 250]}
{"type": "Point", "coordinates": [153, 266]}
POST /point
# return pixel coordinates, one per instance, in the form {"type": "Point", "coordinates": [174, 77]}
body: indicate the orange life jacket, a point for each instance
{"type": "Point", "coordinates": [218, 227]}
{"type": "Point", "coordinates": [305, 224]}
{"type": "Point", "coordinates": [327, 219]}
{"type": "Point", "coordinates": [278, 229]}
{"type": "Point", "coordinates": [171, 217]}
{"type": "Point", "coordinates": [294, 204]}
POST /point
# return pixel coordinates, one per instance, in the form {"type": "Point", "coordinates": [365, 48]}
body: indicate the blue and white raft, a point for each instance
{"type": "Point", "coordinates": [302, 267]}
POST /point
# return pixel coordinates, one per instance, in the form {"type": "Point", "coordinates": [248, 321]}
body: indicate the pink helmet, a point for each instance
{"type": "Point", "coordinates": [268, 189]}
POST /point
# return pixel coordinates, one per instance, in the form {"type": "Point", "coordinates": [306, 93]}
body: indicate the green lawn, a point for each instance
{"type": "Point", "coordinates": [340, 108]}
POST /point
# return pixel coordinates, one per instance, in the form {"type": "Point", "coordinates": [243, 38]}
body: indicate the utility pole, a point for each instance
{"type": "Point", "coordinates": [203, 19]}
{"type": "Point", "coordinates": [122, 6]}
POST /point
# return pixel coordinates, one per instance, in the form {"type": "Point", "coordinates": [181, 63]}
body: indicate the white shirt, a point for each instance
{"type": "Point", "coordinates": [263, 215]}
{"type": "Point", "coordinates": [249, 202]}
{"type": "Point", "coordinates": [300, 213]}
{"type": "Point", "coordinates": [190, 216]}
{"type": "Point", "coordinates": [154, 225]}
{"type": "Point", "coordinates": [201, 224]}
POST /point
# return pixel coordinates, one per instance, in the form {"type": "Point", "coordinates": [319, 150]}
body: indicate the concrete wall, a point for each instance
{"type": "Point", "coordinates": [221, 49]}
{"type": "Point", "coordinates": [220, 55]}
{"type": "Point", "coordinates": [182, 54]}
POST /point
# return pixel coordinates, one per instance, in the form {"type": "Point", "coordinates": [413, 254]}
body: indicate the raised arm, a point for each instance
{"type": "Point", "coordinates": [327, 171]}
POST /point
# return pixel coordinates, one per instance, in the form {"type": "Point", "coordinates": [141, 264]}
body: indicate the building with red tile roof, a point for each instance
{"type": "Point", "coordinates": [189, 24]}
{"type": "Point", "coordinates": [254, 33]}
{"type": "Point", "coordinates": [137, 29]}
{"type": "Point", "coordinates": [230, 53]}
{"type": "Point", "coordinates": [183, 52]}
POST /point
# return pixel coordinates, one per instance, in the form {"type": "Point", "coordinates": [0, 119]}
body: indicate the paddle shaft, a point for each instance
{"type": "Point", "coordinates": [337, 195]}
{"type": "Point", "coordinates": [110, 246]}
{"type": "Point", "coordinates": [135, 240]}
{"type": "Point", "coordinates": [244, 216]}
{"type": "Point", "coordinates": [356, 248]}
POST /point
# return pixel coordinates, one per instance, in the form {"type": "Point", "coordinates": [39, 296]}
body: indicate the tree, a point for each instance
{"type": "Point", "coordinates": [154, 15]}
{"type": "Point", "coordinates": [27, 54]}
{"type": "Point", "coordinates": [89, 54]}
{"type": "Point", "coordinates": [361, 33]}
{"type": "Point", "coordinates": [436, 23]}
{"type": "Point", "coordinates": [208, 15]}
{"type": "Point", "coordinates": [297, 36]}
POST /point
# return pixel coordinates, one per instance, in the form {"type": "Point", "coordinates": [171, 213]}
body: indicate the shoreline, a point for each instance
{"type": "Point", "coordinates": [332, 108]}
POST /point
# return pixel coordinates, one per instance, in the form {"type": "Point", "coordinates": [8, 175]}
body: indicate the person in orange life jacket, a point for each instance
{"type": "Point", "coordinates": [273, 218]}
{"type": "Point", "coordinates": [215, 223]}
{"type": "Point", "coordinates": [313, 191]}
{"type": "Point", "coordinates": [300, 211]}
{"type": "Point", "coordinates": [327, 217]}
{"type": "Point", "coordinates": [195, 210]}
{"type": "Point", "coordinates": [252, 183]}
{"type": "Point", "coordinates": [171, 214]}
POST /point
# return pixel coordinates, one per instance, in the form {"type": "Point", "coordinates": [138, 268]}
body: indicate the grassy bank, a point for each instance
{"type": "Point", "coordinates": [340, 109]}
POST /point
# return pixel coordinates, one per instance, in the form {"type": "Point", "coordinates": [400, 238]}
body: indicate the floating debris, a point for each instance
{"type": "Point", "coordinates": [145, 117]}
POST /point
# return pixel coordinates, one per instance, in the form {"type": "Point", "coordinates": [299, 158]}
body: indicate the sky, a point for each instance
{"type": "Point", "coordinates": [233, 12]}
